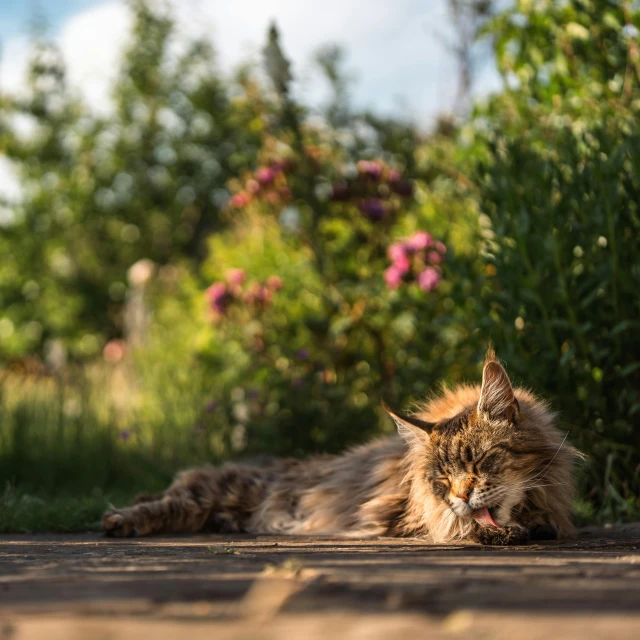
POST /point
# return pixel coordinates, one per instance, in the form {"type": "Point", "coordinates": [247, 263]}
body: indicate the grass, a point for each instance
{"type": "Point", "coordinates": [70, 447]}
{"type": "Point", "coordinates": [27, 513]}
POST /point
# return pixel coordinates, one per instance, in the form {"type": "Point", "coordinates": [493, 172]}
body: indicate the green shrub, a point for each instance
{"type": "Point", "coordinates": [559, 181]}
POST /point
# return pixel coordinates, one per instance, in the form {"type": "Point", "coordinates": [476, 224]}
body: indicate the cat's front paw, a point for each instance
{"type": "Point", "coordinates": [501, 536]}
{"type": "Point", "coordinates": [116, 524]}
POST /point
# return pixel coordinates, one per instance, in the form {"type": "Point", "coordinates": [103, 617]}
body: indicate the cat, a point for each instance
{"type": "Point", "coordinates": [483, 463]}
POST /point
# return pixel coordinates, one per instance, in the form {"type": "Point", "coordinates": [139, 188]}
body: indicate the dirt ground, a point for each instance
{"type": "Point", "coordinates": [80, 587]}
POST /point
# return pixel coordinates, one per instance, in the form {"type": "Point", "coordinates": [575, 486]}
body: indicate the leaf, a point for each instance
{"type": "Point", "coordinates": [629, 369]}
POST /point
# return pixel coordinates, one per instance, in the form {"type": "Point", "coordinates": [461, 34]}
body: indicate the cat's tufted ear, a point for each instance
{"type": "Point", "coordinates": [410, 428]}
{"type": "Point", "coordinates": [497, 400]}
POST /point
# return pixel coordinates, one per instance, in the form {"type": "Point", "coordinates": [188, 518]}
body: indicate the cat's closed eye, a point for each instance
{"type": "Point", "coordinates": [488, 462]}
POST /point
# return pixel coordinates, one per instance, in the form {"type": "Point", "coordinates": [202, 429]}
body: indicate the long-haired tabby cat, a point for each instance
{"type": "Point", "coordinates": [484, 463]}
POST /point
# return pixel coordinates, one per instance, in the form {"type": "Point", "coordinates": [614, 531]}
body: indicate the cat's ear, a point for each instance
{"type": "Point", "coordinates": [497, 400]}
{"type": "Point", "coordinates": [410, 428]}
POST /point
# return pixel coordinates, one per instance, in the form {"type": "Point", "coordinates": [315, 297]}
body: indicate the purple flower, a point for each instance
{"type": "Point", "coordinates": [219, 297]}
{"type": "Point", "coordinates": [296, 383]}
{"type": "Point", "coordinates": [429, 279]}
{"type": "Point", "coordinates": [403, 188]}
{"type": "Point", "coordinates": [211, 406]}
{"type": "Point", "coordinates": [440, 246]}
{"type": "Point", "coordinates": [303, 354]}
{"type": "Point", "coordinates": [419, 240]}
{"type": "Point", "coordinates": [393, 277]}
{"type": "Point", "coordinates": [124, 435]}
{"type": "Point", "coordinates": [252, 394]}
{"type": "Point", "coordinates": [434, 257]}
{"type": "Point", "coordinates": [373, 209]}
{"type": "Point", "coordinates": [284, 165]}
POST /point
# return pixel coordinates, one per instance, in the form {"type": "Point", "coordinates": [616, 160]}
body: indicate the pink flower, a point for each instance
{"type": "Point", "coordinates": [397, 251]}
{"type": "Point", "coordinates": [429, 279]}
{"type": "Point", "coordinates": [393, 175]}
{"type": "Point", "coordinates": [274, 283]}
{"type": "Point", "coordinates": [419, 240]}
{"type": "Point", "coordinates": [441, 247]}
{"type": "Point", "coordinates": [258, 294]}
{"type": "Point", "coordinates": [402, 264]}
{"type": "Point", "coordinates": [393, 277]}
{"type": "Point", "coordinates": [240, 199]}
{"type": "Point", "coordinates": [370, 168]}
{"type": "Point", "coordinates": [434, 257]}
{"type": "Point", "coordinates": [265, 175]}
{"type": "Point", "coordinates": [235, 277]}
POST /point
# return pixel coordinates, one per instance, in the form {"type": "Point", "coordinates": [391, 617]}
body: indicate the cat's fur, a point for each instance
{"type": "Point", "coordinates": [469, 448]}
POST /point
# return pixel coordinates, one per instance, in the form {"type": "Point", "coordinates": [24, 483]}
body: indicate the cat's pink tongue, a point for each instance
{"type": "Point", "coordinates": [483, 517]}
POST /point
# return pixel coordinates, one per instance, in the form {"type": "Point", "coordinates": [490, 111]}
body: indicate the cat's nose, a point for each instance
{"type": "Point", "coordinates": [463, 495]}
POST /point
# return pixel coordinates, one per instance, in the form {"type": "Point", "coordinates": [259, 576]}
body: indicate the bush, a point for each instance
{"type": "Point", "coordinates": [558, 180]}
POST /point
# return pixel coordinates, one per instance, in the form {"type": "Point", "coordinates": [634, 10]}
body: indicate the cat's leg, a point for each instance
{"type": "Point", "coordinates": [212, 499]}
{"type": "Point", "coordinates": [177, 511]}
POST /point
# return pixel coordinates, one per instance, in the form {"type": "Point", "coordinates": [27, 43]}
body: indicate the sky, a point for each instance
{"type": "Point", "coordinates": [395, 48]}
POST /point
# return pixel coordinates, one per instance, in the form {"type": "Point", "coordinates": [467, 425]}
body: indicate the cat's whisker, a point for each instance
{"type": "Point", "coordinates": [566, 435]}
{"type": "Point", "coordinates": [552, 484]}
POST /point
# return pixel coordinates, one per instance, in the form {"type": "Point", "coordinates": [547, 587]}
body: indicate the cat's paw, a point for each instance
{"type": "Point", "coordinates": [116, 524]}
{"type": "Point", "coordinates": [501, 536]}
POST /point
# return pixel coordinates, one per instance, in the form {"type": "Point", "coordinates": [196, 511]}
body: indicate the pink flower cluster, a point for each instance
{"type": "Point", "coordinates": [268, 182]}
{"type": "Point", "coordinates": [418, 259]}
{"type": "Point", "coordinates": [221, 295]}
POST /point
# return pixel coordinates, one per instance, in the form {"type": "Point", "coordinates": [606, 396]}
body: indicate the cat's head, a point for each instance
{"type": "Point", "coordinates": [482, 461]}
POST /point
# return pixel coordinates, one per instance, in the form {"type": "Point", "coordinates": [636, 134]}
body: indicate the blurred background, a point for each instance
{"type": "Point", "coordinates": [231, 230]}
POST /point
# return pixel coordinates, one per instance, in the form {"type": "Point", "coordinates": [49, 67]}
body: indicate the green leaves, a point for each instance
{"type": "Point", "coordinates": [561, 190]}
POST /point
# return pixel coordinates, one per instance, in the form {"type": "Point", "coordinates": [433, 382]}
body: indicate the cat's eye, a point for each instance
{"type": "Point", "coordinates": [488, 462]}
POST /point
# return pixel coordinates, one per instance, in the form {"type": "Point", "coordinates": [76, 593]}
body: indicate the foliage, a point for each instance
{"type": "Point", "coordinates": [305, 365]}
{"type": "Point", "coordinates": [560, 186]}
{"type": "Point", "coordinates": [100, 193]}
